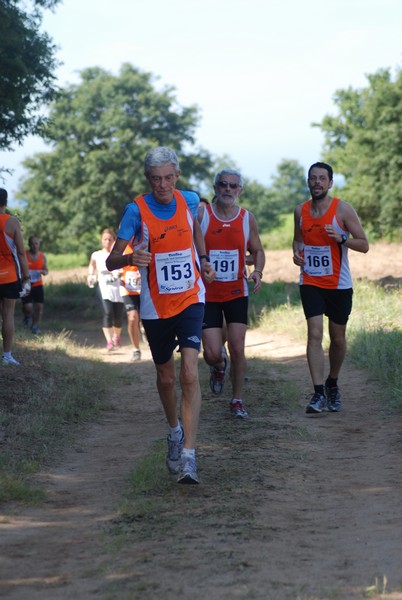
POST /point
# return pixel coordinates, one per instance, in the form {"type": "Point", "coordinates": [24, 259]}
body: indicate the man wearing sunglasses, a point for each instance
{"type": "Point", "coordinates": [229, 232]}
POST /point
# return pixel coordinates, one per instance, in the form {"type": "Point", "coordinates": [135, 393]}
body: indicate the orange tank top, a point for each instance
{"type": "Point", "coordinates": [35, 267]}
{"type": "Point", "coordinates": [172, 281]}
{"type": "Point", "coordinates": [9, 264]}
{"type": "Point", "coordinates": [226, 245]}
{"type": "Point", "coordinates": [327, 264]}
{"type": "Point", "coordinates": [131, 278]}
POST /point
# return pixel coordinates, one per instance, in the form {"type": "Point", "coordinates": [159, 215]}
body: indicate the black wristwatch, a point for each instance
{"type": "Point", "coordinates": [205, 256]}
{"type": "Point", "coordinates": [344, 238]}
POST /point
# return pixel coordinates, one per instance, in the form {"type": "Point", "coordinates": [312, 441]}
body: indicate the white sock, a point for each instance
{"type": "Point", "coordinates": [188, 453]}
{"type": "Point", "coordinates": [176, 432]}
{"type": "Point", "coordinates": [234, 400]}
{"type": "Point", "coordinates": [7, 354]}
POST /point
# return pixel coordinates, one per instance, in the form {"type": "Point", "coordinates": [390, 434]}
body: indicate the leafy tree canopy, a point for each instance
{"type": "Point", "coordinates": [363, 142]}
{"type": "Point", "coordinates": [268, 204]}
{"type": "Point", "coordinates": [99, 133]}
{"type": "Point", "coordinates": [27, 65]}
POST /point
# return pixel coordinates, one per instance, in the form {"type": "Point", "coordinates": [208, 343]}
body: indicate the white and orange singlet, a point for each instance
{"type": "Point", "coordinates": [35, 268]}
{"type": "Point", "coordinates": [10, 270]}
{"type": "Point", "coordinates": [172, 281]}
{"type": "Point", "coordinates": [226, 245]}
{"type": "Point", "coordinates": [131, 278]}
{"type": "Point", "coordinates": [326, 261]}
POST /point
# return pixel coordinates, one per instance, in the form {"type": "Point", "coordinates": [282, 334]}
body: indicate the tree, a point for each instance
{"type": "Point", "coordinates": [288, 189]}
{"type": "Point", "coordinates": [364, 144]}
{"type": "Point", "coordinates": [289, 186]}
{"type": "Point", "coordinates": [27, 59]}
{"type": "Point", "coordinates": [99, 133]}
{"type": "Point", "coordinates": [260, 201]}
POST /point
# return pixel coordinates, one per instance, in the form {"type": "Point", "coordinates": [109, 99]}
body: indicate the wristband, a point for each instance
{"type": "Point", "coordinates": [258, 272]}
{"type": "Point", "coordinates": [205, 256]}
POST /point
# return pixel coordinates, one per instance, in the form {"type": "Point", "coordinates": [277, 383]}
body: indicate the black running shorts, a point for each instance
{"type": "Point", "coordinates": [335, 304]}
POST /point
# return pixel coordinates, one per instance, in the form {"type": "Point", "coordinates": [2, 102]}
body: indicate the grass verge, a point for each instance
{"type": "Point", "coordinates": [374, 332]}
{"type": "Point", "coordinates": [60, 386]}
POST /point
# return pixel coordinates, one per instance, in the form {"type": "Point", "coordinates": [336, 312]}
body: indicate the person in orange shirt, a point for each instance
{"type": "Point", "coordinates": [229, 232]}
{"type": "Point", "coordinates": [169, 250]}
{"type": "Point", "coordinates": [130, 290]}
{"type": "Point", "coordinates": [32, 305]}
{"type": "Point", "coordinates": [325, 229]}
{"type": "Point", "coordinates": [14, 275]}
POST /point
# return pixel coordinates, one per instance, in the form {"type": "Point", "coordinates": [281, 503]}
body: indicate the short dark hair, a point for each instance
{"type": "Point", "coordinates": [322, 165]}
{"type": "Point", "coordinates": [3, 197]}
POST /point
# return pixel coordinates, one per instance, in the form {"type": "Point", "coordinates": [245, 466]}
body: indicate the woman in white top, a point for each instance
{"type": "Point", "coordinates": [109, 284]}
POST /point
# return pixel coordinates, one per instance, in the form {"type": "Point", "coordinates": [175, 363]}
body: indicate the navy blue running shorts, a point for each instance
{"type": "Point", "coordinates": [334, 304]}
{"type": "Point", "coordinates": [182, 330]}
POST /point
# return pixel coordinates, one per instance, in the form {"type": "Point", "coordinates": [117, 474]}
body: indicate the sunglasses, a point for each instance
{"type": "Point", "coordinates": [225, 184]}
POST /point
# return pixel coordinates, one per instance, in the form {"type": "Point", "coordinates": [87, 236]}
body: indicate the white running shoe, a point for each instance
{"type": "Point", "coordinates": [188, 471]}
{"type": "Point", "coordinates": [173, 457]}
{"type": "Point", "coordinates": [237, 410]}
{"type": "Point", "coordinates": [9, 360]}
{"type": "Point", "coordinates": [136, 355]}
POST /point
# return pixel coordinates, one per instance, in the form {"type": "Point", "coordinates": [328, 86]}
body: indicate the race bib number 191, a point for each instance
{"type": "Point", "coordinates": [35, 276]}
{"type": "Point", "coordinates": [174, 271]}
{"type": "Point", "coordinates": [225, 263]}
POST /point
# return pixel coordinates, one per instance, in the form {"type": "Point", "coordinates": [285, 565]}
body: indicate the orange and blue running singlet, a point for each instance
{"type": "Point", "coordinates": [172, 281]}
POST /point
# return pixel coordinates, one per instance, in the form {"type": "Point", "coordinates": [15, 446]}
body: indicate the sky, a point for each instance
{"type": "Point", "coordinates": [260, 71]}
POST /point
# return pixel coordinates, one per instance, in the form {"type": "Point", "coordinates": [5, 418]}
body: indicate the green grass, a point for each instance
{"type": "Point", "coordinates": [281, 237]}
{"type": "Point", "coordinates": [272, 296]}
{"type": "Point", "coordinates": [374, 333]}
{"type": "Point", "coordinates": [59, 262]}
{"type": "Point", "coordinates": [62, 386]}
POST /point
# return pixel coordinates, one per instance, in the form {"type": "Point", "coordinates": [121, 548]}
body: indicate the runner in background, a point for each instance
{"type": "Point", "coordinates": [32, 305]}
{"type": "Point", "coordinates": [130, 290]}
{"type": "Point", "coordinates": [109, 290]}
{"type": "Point", "coordinates": [14, 275]}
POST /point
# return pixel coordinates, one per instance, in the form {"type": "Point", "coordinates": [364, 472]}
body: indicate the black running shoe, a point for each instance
{"type": "Point", "coordinates": [334, 403]}
{"type": "Point", "coordinates": [317, 404]}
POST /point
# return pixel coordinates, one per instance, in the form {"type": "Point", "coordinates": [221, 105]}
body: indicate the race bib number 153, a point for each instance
{"type": "Point", "coordinates": [174, 271]}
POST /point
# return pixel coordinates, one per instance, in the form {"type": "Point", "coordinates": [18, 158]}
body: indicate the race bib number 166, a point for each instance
{"type": "Point", "coordinates": [318, 261]}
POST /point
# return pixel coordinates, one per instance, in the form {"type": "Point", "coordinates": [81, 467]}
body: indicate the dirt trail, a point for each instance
{"type": "Point", "coordinates": [289, 507]}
